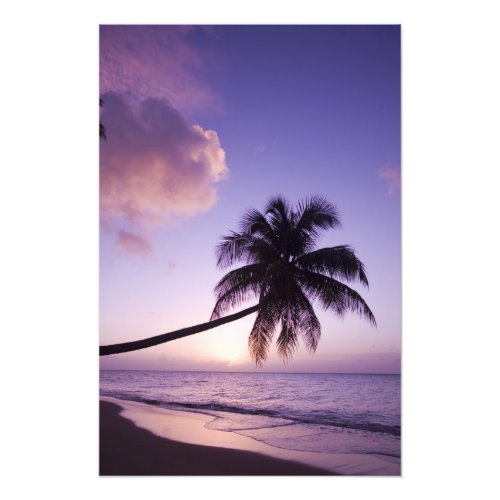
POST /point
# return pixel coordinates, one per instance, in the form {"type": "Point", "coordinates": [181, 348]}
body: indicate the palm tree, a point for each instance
{"type": "Point", "coordinates": [284, 272]}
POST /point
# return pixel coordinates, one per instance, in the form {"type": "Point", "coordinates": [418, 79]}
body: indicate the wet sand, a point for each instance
{"type": "Point", "coordinates": [127, 450]}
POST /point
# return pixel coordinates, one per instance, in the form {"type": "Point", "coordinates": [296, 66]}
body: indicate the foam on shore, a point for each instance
{"type": "Point", "coordinates": [190, 427]}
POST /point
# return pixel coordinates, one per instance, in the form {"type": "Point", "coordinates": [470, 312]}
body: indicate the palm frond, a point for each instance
{"type": "Point", "coordinates": [288, 341]}
{"type": "Point", "coordinates": [236, 287]}
{"type": "Point", "coordinates": [102, 128]}
{"type": "Point", "coordinates": [297, 318]}
{"type": "Point", "coordinates": [243, 247]}
{"type": "Point", "coordinates": [231, 249]}
{"type": "Point", "coordinates": [280, 215]}
{"type": "Point", "coordinates": [262, 332]}
{"type": "Point", "coordinates": [309, 322]}
{"type": "Point", "coordinates": [317, 212]}
{"type": "Point", "coordinates": [313, 215]}
{"type": "Point", "coordinates": [334, 295]}
{"type": "Point", "coordinates": [337, 262]}
{"type": "Point", "coordinates": [255, 223]}
{"type": "Point", "coordinates": [252, 275]}
{"type": "Point", "coordinates": [279, 208]}
{"type": "Point", "coordinates": [232, 298]}
{"type": "Point", "coordinates": [102, 132]}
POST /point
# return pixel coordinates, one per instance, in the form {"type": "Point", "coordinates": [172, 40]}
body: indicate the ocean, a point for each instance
{"type": "Point", "coordinates": [326, 413]}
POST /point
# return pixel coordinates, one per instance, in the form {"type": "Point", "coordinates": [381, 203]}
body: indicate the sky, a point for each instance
{"type": "Point", "coordinates": [205, 122]}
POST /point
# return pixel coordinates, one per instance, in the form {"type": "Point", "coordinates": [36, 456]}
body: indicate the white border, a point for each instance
{"type": "Point", "coordinates": [49, 253]}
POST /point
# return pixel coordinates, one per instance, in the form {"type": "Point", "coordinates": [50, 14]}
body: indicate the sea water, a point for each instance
{"type": "Point", "coordinates": [329, 413]}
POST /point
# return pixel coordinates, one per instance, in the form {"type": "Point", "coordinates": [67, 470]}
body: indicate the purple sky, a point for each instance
{"type": "Point", "coordinates": [205, 122]}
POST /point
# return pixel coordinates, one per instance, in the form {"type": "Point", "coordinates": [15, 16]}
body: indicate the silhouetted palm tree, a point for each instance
{"type": "Point", "coordinates": [284, 272]}
{"type": "Point", "coordinates": [102, 128]}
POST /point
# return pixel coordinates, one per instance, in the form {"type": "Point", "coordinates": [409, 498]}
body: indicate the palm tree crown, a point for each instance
{"type": "Point", "coordinates": [285, 272]}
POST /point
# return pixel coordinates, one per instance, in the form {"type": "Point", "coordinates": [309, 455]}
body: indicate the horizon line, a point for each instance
{"type": "Point", "coordinates": [227, 371]}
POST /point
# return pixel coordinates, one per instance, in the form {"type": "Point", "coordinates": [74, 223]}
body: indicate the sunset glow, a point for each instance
{"type": "Point", "coordinates": [206, 122]}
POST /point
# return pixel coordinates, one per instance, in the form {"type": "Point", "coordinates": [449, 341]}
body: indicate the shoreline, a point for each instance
{"type": "Point", "coordinates": [189, 428]}
{"type": "Point", "coordinates": [128, 450]}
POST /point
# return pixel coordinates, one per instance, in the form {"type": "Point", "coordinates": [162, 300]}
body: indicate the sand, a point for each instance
{"type": "Point", "coordinates": [128, 450]}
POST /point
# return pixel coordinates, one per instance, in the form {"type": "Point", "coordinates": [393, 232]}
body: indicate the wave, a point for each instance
{"type": "Point", "coordinates": [326, 419]}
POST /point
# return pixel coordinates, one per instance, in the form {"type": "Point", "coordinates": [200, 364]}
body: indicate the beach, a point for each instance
{"type": "Point", "coordinates": [126, 449]}
{"type": "Point", "coordinates": [343, 424]}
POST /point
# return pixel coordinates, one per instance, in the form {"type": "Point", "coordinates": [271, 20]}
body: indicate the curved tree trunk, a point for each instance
{"type": "Point", "coordinates": [105, 350]}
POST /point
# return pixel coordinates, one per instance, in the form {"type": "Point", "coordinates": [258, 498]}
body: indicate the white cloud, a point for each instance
{"type": "Point", "coordinates": [154, 168]}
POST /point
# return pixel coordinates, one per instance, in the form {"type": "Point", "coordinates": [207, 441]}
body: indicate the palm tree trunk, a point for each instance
{"type": "Point", "coordinates": [105, 350]}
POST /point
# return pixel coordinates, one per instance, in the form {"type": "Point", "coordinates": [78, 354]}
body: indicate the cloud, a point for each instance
{"type": "Point", "coordinates": [133, 243]}
{"type": "Point", "coordinates": [154, 168]}
{"type": "Point", "coordinates": [156, 61]}
{"type": "Point", "coordinates": [393, 177]}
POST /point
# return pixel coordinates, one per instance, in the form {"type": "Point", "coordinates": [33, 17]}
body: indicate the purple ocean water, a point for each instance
{"type": "Point", "coordinates": [329, 413]}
